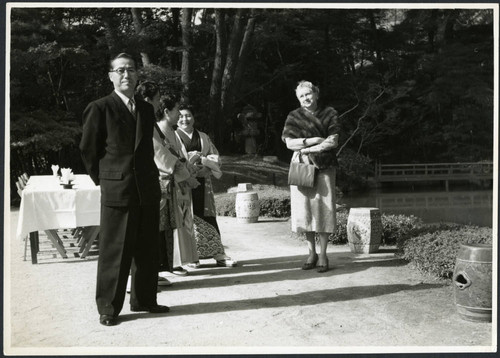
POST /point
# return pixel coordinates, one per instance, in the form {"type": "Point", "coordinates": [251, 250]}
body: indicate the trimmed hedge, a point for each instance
{"type": "Point", "coordinates": [398, 228]}
{"type": "Point", "coordinates": [339, 237]}
{"type": "Point", "coordinates": [274, 202]}
{"type": "Point", "coordinates": [395, 228]}
{"type": "Point", "coordinates": [436, 252]}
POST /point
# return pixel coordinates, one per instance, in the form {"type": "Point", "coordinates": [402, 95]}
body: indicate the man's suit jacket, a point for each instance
{"type": "Point", "coordinates": [117, 151]}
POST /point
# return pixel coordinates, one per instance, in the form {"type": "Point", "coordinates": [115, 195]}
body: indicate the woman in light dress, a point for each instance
{"type": "Point", "coordinates": [311, 131]}
{"type": "Point", "coordinates": [203, 153]}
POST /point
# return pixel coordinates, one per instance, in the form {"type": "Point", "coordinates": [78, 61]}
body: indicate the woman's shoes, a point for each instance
{"type": "Point", "coordinates": [195, 265]}
{"type": "Point", "coordinates": [310, 265]}
{"type": "Point", "coordinates": [179, 271]}
{"type": "Point", "coordinates": [323, 268]}
{"type": "Point", "coordinates": [227, 263]}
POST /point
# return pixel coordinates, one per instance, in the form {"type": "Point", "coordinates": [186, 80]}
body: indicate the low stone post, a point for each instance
{"type": "Point", "coordinates": [364, 230]}
{"type": "Point", "coordinates": [247, 204]}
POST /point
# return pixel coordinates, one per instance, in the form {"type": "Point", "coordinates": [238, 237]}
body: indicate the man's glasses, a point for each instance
{"type": "Point", "coordinates": [121, 70]}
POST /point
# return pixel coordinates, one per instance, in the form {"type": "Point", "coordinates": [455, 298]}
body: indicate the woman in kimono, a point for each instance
{"type": "Point", "coordinates": [203, 153]}
{"type": "Point", "coordinates": [311, 131]}
{"type": "Point", "coordinates": [177, 178]}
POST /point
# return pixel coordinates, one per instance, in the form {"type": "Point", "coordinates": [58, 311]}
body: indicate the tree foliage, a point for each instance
{"type": "Point", "coordinates": [411, 85]}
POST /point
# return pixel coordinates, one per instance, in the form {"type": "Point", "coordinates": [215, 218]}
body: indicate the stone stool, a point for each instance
{"type": "Point", "coordinates": [364, 230]}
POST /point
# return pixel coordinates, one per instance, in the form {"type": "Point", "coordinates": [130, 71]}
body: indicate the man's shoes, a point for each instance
{"type": "Point", "coordinates": [107, 320]}
{"type": "Point", "coordinates": [150, 309]}
{"type": "Point", "coordinates": [162, 281]}
{"type": "Point", "coordinates": [179, 271]}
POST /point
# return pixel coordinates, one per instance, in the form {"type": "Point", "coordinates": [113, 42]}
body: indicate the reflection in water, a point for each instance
{"type": "Point", "coordinates": [465, 207]}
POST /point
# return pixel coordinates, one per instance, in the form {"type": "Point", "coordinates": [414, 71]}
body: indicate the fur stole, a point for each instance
{"type": "Point", "coordinates": [302, 124]}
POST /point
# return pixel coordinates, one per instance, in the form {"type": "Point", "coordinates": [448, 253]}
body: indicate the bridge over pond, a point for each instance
{"type": "Point", "coordinates": [472, 172]}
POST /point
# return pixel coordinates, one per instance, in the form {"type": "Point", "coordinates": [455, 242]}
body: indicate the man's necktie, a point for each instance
{"type": "Point", "coordinates": [131, 106]}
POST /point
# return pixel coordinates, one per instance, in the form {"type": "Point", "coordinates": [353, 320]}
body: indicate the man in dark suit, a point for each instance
{"type": "Point", "coordinates": [117, 150]}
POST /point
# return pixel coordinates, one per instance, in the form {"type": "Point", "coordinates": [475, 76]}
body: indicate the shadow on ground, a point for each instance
{"type": "Point", "coordinates": [278, 269]}
{"type": "Point", "coordinates": [308, 298]}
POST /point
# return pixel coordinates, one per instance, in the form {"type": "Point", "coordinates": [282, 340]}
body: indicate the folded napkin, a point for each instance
{"type": "Point", "coordinates": [67, 175]}
{"type": "Point", "coordinates": [55, 169]}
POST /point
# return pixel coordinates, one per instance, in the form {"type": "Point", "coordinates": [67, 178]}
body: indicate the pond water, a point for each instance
{"type": "Point", "coordinates": [460, 206]}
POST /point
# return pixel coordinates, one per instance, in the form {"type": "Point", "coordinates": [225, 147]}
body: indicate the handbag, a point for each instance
{"type": "Point", "coordinates": [302, 174]}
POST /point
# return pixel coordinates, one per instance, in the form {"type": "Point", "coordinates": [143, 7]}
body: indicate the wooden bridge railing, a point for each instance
{"type": "Point", "coordinates": [434, 200]}
{"type": "Point", "coordinates": [434, 171]}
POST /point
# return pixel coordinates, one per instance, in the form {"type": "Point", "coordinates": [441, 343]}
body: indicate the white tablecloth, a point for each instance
{"type": "Point", "coordinates": [46, 205]}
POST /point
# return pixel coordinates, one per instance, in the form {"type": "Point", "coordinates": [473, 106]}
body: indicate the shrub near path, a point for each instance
{"type": "Point", "coordinates": [431, 248]}
{"type": "Point", "coordinates": [436, 252]}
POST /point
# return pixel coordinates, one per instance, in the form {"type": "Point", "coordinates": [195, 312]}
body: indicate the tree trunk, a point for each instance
{"type": "Point", "coordinates": [227, 87]}
{"type": "Point", "coordinates": [445, 32]}
{"type": "Point", "coordinates": [109, 29]}
{"type": "Point", "coordinates": [215, 87]}
{"type": "Point", "coordinates": [244, 51]}
{"type": "Point", "coordinates": [176, 14]}
{"type": "Point", "coordinates": [186, 53]}
{"type": "Point", "coordinates": [137, 19]}
{"type": "Point", "coordinates": [374, 35]}
{"type": "Point", "coordinates": [231, 60]}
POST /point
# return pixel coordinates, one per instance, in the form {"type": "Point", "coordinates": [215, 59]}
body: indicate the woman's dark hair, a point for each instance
{"type": "Point", "coordinates": [187, 107]}
{"type": "Point", "coordinates": [147, 89]}
{"type": "Point", "coordinates": [167, 102]}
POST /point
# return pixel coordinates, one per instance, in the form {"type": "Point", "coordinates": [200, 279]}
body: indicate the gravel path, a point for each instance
{"type": "Point", "coordinates": [366, 303]}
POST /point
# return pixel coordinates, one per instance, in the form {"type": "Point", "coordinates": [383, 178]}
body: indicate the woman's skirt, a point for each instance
{"type": "Point", "coordinates": [208, 239]}
{"type": "Point", "coordinates": [313, 209]}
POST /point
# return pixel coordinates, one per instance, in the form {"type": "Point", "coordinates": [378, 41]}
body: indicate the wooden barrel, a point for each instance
{"type": "Point", "coordinates": [247, 207]}
{"type": "Point", "coordinates": [472, 280]}
{"type": "Point", "coordinates": [364, 230]}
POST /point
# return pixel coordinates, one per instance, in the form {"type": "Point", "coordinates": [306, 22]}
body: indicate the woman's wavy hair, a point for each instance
{"type": "Point", "coordinates": [307, 84]}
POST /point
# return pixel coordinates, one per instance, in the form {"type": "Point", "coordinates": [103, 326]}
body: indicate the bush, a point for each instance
{"type": "Point", "coordinates": [339, 237]}
{"type": "Point", "coordinates": [41, 138]}
{"type": "Point", "coordinates": [224, 203]}
{"type": "Point", "coordinates": [274, 202]}
{"type": "Point", "coordinates": [396, 229]}
{"type": "Point", "coordinates": [436, 252]}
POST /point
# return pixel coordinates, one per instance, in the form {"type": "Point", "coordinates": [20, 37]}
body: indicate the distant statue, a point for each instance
{"type": "Point", "coordinates": [249, 118]}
